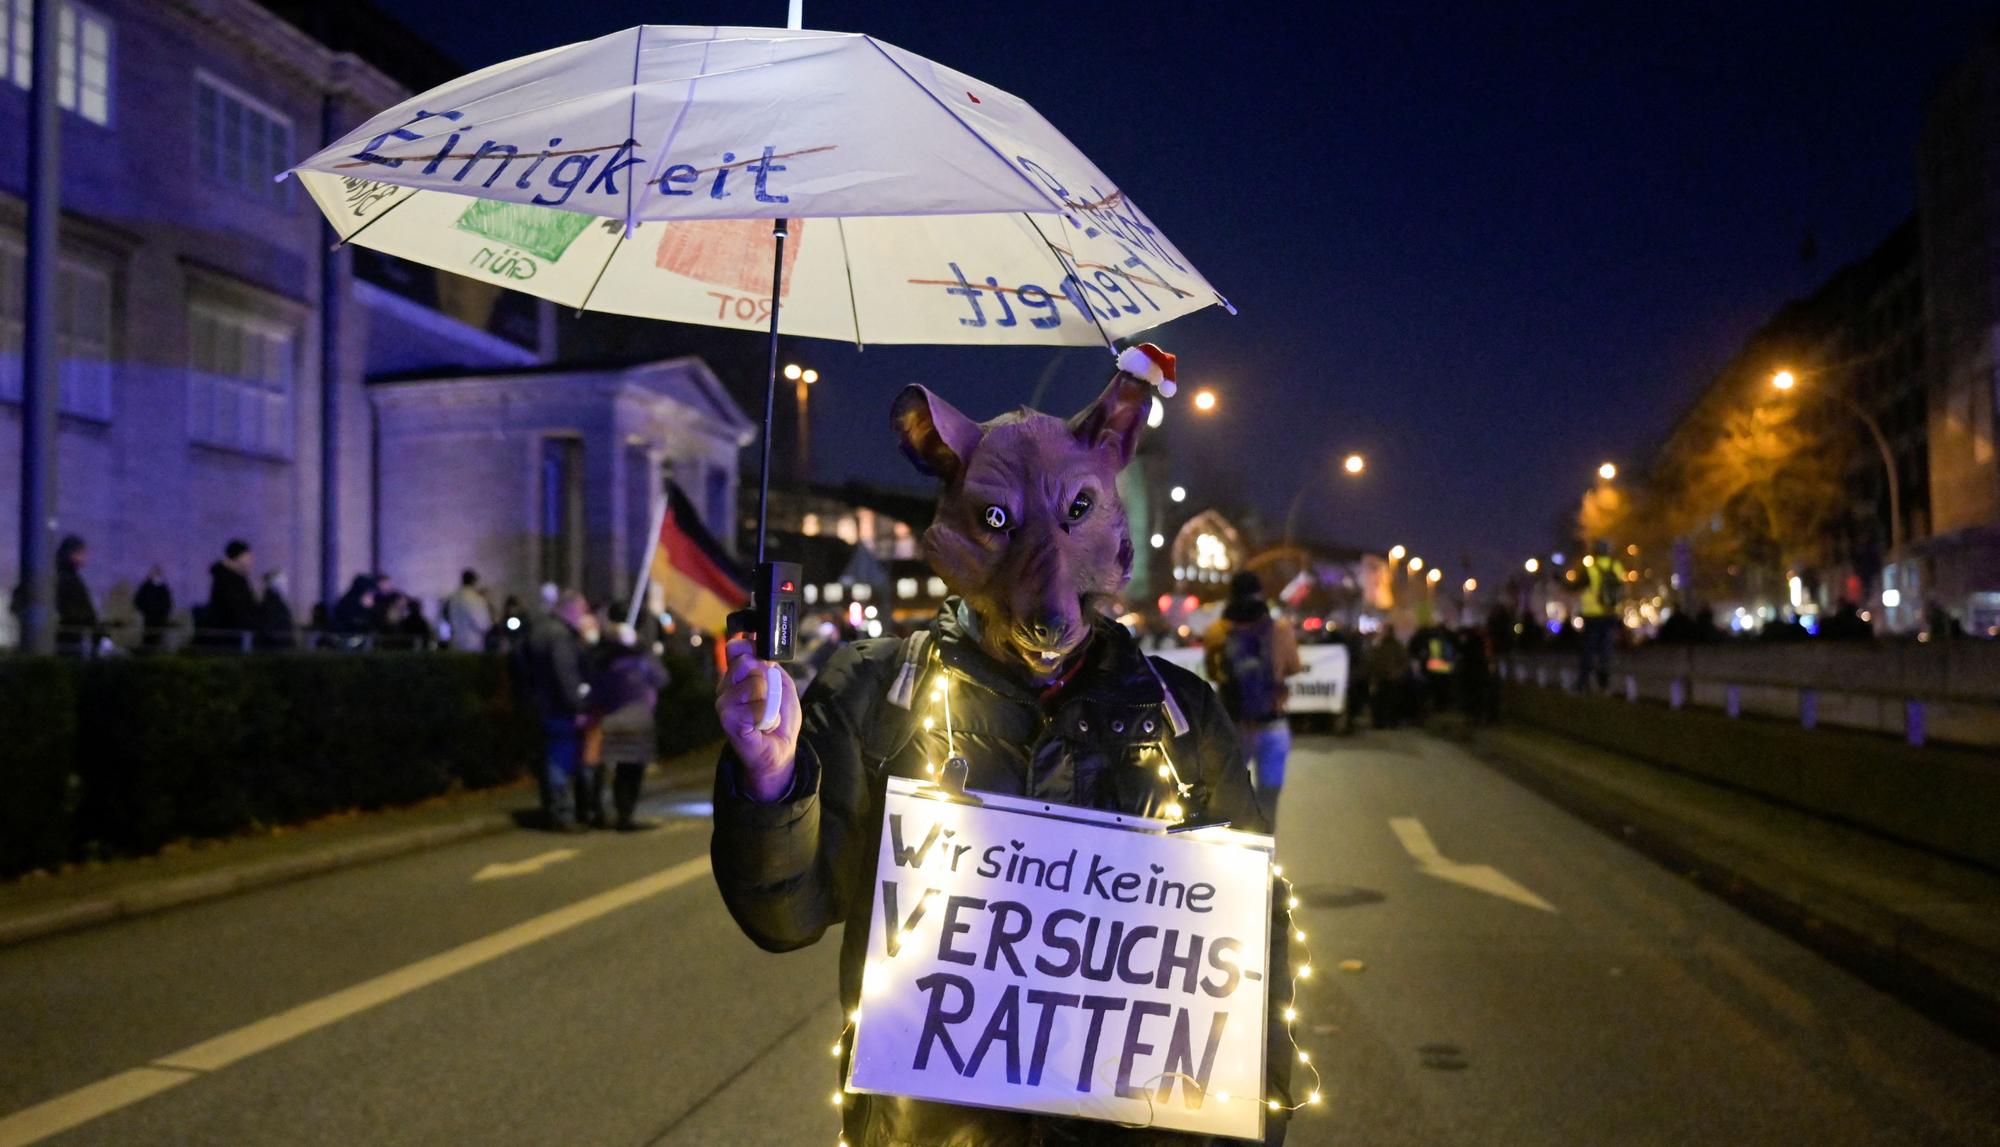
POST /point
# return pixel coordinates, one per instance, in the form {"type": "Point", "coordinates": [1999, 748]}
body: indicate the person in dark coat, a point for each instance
{"type": "Point", "coordinates": [76, 610]}
{"type": "Point", "coordinates": [623, 693]}
{"type": "Point", "coordinates": [232, 614]}
{"type": "Point", "coordinates": [353, 620]}
{"type": "Point", "coordinates": [552, 663]}
{"type": "Point", "coordinates": [276, 627]}
{"type": "Point", "coordinates": [1042, 696]}
{"type": "Point", "coordinates": [154, 601]}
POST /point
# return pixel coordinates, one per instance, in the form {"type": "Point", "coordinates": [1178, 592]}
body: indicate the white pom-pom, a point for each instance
{"type": "Point", "coordinates": [1134, 361]}
{"type": "Point", "coordinates": [1166, 386]}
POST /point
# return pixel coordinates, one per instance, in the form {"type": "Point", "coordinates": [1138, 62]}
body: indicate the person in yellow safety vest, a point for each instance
{"type": "Point", "coordinates": [1603, 589]}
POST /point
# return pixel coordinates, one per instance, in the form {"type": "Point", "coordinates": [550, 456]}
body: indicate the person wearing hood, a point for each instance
{"type": "Point", "coordinates": [232, 612]}
{"type": "Point", "coordinates": [1249, 656]}
{"type": "Point", "coordinates": [354, 614]}
{"type": "Point", "coordinates": [276, 627]}
{"type": "Point", "coordinates": [154, 601]}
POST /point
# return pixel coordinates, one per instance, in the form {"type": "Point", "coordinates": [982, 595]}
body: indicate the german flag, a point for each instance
{"type": "Point", "coordinates": [697, 580]}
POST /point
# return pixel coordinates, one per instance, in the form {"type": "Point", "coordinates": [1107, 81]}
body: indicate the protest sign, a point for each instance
{"type": "Point", "coordinates": [1320, 688]}
{"type": "Point", "coordinates": [1056, 959]}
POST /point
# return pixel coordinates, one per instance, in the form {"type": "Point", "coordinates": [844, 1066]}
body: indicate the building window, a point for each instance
{"type": "Point", "coordinates": [936, 587]}
{"type": "Point", "coordinates": [906, 587]}
{"type": "Point", "coordinates": [239, 142]}
{"type": "Point", "coordinates": [83, 328]}
{"type": "Point", "coordinates": [241, 368]}
{"type": "Point", "coordinates": [83, 55]}
{"type": "Point", "coordinates": [560, 512]}
{"type": "Point", "coordinates": [809, 525]}
{"type": "Point", "coordinates": [834, 591]}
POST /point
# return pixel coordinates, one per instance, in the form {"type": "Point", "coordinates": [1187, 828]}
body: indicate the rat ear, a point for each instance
{"type": "Point", "coordinates": [935, 437]}
{"type": "Point", "coordinates": [1117, 417]}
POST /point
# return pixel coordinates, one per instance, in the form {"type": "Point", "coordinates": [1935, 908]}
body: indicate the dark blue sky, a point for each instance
{"type": "Point", "coordinates": [1488, 245]}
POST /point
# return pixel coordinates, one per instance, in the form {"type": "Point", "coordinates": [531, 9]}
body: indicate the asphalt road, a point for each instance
{"type": "Point", "coordinates": [1518, 978]}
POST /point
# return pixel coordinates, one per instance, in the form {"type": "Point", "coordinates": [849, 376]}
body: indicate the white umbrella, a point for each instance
{"type": "Point", "coordinates": [635, 173]}
{"type": "Point", "coordinates": [629, 174]}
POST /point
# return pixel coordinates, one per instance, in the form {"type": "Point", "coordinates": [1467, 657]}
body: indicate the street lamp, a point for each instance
{"type": "Point", "coordinates": [1531, 565]}
{"type": "Point", "coordinates": [1204, 400]}
{"type": "Point", "coordinates": [1607, 471]}
{"type": "Point", "coordinates": [1354, 464]}
{"type": "Point", "coordinates": [1435, 576]}
{"type": "Point", "coordinates": [1178, 493]}
{"type": "Point", "coordinates": [1786, 380]}
{"type": "Point", "coordinates": [1396, 553]}
{"type": "Point", "coordinates": [1471, 584]}
{"type": "Point", "coordinates": [1416, 565]}
{"type": "Point", "coordinates": [1159, 540]}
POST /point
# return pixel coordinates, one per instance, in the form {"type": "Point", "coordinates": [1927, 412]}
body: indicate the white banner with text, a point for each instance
{"type": "Point", "coordinates": [1056, 959]}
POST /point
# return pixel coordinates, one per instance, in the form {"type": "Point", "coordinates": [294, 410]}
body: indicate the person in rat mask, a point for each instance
{"type": "Point", "coordinates": [1050, 699]}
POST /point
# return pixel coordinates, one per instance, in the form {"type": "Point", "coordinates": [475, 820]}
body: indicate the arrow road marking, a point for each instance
{"type": "Point", "coordinates": [1483, 877]}
{"type": "Point", "coordinates": [526, 867]}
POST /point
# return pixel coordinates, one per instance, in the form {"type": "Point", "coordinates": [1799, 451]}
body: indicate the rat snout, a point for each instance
{"type": "Point", "coordinates": [1049, 631]}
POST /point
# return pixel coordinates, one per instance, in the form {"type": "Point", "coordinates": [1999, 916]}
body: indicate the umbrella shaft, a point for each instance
{"type": "Point", "coordinates": [778, 231]}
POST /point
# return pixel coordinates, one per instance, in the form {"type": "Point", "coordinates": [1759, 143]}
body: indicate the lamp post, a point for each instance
{"type": "Point", "coordinates": [1786, 380]}
{"type": "Point", "coordinates": [1354, 465]}
{"type": "Point", "coordinates": [802, 379]}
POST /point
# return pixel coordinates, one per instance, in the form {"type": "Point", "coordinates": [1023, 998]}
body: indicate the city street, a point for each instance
{"type": "Point", "coordinates": [1491, 971]}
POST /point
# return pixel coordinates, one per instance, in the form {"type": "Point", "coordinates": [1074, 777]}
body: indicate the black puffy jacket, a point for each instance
{"type": "Point", "coordinates": [791, 869]}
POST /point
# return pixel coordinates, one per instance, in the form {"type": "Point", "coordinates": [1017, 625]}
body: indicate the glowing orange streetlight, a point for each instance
{"type": "Point", "coordinates": [1354, 464]}
{"type": "Point", "coordinates": [1204, 400]}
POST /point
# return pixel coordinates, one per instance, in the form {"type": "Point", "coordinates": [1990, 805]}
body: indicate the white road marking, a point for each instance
{"type": "Point", "coordinates": [1483, 877]}
{"type": "Point", "coordinates": [50, 1117]}
{"type": "Point", "coordinates": [531, 865]}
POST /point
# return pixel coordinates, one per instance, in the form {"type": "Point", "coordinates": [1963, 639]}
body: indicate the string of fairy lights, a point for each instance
{"type": "Point", "coordinates": [940, 706]}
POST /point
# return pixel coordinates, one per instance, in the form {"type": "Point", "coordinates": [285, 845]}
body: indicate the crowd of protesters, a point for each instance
{"type": "Point", "coordinates": [248, 610]}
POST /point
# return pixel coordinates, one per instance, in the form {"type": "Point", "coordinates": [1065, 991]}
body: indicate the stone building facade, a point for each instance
{"type": "Point", "coordinates": [217, 357]}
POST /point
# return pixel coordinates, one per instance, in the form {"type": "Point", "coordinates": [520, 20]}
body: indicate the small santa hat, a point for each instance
{"type": "Point", "coordinates": [1150, 363]}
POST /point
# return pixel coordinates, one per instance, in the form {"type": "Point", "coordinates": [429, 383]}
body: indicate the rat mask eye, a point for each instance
{"type": "Point", "coordinates": [1079, 507]}
{"type": "Point", "coordinates": [996, 518]}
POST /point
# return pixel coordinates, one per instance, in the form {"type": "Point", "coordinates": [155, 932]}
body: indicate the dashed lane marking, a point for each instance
{"type": "Point", "coordinates": [50, 1117]}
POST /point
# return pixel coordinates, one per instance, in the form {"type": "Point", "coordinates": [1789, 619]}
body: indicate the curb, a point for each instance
{"type": "Point", "coordinates": [147, 897]}
{"type": "Point", "coordinates": [1924, 968]}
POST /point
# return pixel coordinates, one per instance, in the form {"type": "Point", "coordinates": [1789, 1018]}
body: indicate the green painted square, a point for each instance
{"type": "Point", "coordinates": [541, 231]}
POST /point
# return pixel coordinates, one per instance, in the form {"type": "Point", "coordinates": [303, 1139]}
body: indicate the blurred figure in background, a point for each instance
{"type": "Point", "coordinates": [468, 614]}
{"type": "Point", "coordinates": [553, 668]}
{"type": "Point", "coordinates": [276, 627]}
{"type": "Point", "coordinates": [624, 691]}
{"type": "Point", "coordinates": [154, 602]}
{"type": "Point", "coordinates": [1249, 655]}
{"type": "Point", "coordinates": [230, 617]}
{"type": "Point", "coordinates": [76, 610]}
{"type": "Point", "coordinates": [1388, 675]}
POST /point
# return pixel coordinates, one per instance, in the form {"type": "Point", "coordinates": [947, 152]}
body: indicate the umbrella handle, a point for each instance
{"type": "Point", "coordinates": [774, 699]}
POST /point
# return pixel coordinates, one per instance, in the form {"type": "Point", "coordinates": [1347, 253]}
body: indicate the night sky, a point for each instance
{"type": "Point", "coordinates": [1488, 248]}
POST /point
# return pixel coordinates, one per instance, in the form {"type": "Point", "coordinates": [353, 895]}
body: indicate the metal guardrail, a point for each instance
{"type": "Point", "coordinates": [1915, 707]}
{"type": "Point", "coordinates": [119, 638]}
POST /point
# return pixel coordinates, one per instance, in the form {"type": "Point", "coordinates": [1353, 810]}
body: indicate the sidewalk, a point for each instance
{"type": "Point", "coordinates": [1918, 924]}
{"type": "Point", "coordinates": [42, 904]}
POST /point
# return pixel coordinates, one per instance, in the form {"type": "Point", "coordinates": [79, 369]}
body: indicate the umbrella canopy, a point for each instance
{"type": "Point", "coordinates": [635, 174]}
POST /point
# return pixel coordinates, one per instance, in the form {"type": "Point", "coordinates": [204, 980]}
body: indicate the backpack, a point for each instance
{"type": "Point", "coordinates": [1249, 680]}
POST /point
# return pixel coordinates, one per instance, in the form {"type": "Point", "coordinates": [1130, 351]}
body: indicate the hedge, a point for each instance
{"type": "Point", "coordinates": [119, 757]}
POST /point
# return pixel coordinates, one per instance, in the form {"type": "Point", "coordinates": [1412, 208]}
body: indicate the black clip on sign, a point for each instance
{"type": "Point", "coordinates": [772, 621]}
